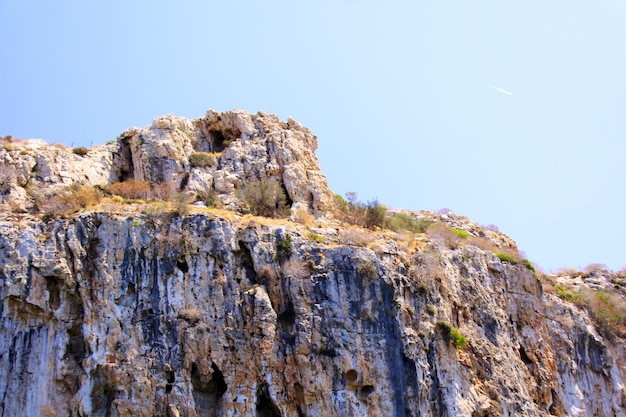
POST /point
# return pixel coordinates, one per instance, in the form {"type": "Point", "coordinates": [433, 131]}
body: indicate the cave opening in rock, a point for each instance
{"type": "Point", "coordinates": [182, 265]}
{"type": "Point", "coordinates": [247, 263]}
{"type": "Point", "coordinates": [265, 407]}
{"type": "Point", "coordinates": [220, 140]}
{"type": "Point", "coordinates": [208, 390]}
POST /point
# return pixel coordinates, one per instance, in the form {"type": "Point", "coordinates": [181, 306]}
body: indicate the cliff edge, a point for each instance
{"type": "Point", "coordinates": [204, 268]}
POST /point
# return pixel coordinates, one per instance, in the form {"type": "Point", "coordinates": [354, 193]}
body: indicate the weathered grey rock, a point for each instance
{"type": "Point", "coordinates": [212, 313]}
{"type": "Point", "coordinates": [200, 315]}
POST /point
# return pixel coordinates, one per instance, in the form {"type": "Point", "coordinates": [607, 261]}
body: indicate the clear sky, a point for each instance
{"type": "Point", "coordinates": [513, 113]}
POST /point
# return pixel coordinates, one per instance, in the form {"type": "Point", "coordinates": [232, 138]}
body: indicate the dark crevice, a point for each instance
{"type": "Point", "coordinates": [208, 389]}
{"type": "Point", "coordinates": [123, 161]}
{"type": "Point", "coordinates": [102, 393]}
{"type": "Point", "coordinates": [54, 292]}
{"type": "Point", "coordinates": [183, 182]}
{"type": "Point", "coordinates": [247, 263]}
{"type": "Point", "coordinates": [524, 356]}
{"type": "Point", "coordinates": [366, 390]}
{"type": "Point", "coordinates": [288, 315]}
{"type": "Point", "coordinates": [265, 407]}
{"type": "Point", "coordinates": [182, 265]}
{"type": "Point", "coordinates": [170, 377]}
{"type": "Point", "coordinates": [76, 348]}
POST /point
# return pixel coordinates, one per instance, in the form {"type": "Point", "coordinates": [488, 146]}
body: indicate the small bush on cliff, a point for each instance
{"type": "Point", "coordinates": [461, 233]}
{"type": "Point", "coordinates": [201, 160]}
{"type": "Point", "coordinates": [444, 234]}
{"type": "Point", "coordinates": [132, 189]}
{"type": "Point", "coordinates": [505, 257]}
{"type": "Point", "coordinates": [208, 197]}
{"type": "Point", "coordinates": [452, 334]}
{"type": "Point", "coordinates": [569, 294]}
{"type": "Point", "coordinates": [402, 221]}
{"type": "Point", "coordinates": [367, 270]}
{"type": "Point", "coordinates": [68, 200]}
{"type": "Point", "coordinates": [267, 199]}
{"type": "Point", "coordinates": [608, 308]}
{"type": "Point", "coordinates": [81, 151]}
{"type": "Point", "coordinates": [371, 214]}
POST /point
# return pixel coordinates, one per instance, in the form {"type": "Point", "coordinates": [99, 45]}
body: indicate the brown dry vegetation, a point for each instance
{"type": "Point", "coordinates": [132, 188]}
{"type": "Point", "coordinates": [66, 201]}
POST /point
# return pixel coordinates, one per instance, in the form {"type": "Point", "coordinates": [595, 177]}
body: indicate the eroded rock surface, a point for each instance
{"type": "Point", "coordinates": [127, 313]}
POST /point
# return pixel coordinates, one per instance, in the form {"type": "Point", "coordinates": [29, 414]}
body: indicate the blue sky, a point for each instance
{"type": "Point", "coordinates": [411, 100]}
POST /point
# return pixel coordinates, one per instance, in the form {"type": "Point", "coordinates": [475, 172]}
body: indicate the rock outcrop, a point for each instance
{"type": "Point", "coordinates": [123, 312]}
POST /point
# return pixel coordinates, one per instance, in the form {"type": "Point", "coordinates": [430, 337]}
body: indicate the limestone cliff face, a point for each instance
{"type": "Point", "coordinates": [213, 313]}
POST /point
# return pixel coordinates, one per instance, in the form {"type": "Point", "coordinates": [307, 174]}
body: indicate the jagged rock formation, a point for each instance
{"type": "Point", "coordinates": [213, 313]}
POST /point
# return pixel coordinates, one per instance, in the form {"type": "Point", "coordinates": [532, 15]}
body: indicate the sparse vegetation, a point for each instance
{"type": "Point", "coordinates": [431, 310]}
{"type": "Point", "coordinates": [315, 237]}
{"type": "Point", "coordinates": [303, 216]}
{"type": "Point", "coordinates": [505, 257]}
{"type": "Point", "coordinates": [66, 201]}
{"type": "Point", "coordinates": [266, 198]}
{"type": "Point", "coordinates": [296, 268]}
{"type": "Point", "coordinates": [606, 306]}
{"type": "Point", "coordinates": [444, 234]}
{"type": "Point", "coordinates": [202, 160]}
{"type": "Point", "coordinates": [181, 202]}
{"type": "Point", "coordinates": [371, 214]}
{"type": "Point", "coordinates": [529, 265]}
{"type": "Point", "coordinates": [284, 246]}
{"type": "Point", "coordinates": [132, 188]}
{"type": "Point", "coordinates": [452, 334]}
{"type": "Point", "coordinates": [208, 197]}
{"type": "Point", "coordinates": [81, 151]}
{"type": "Point", "coordinates": [403, 221]}
{"type": "Point", "coordinates": [356, 237]}
{"type": "Point", "coordinates": [367, 270]}
{"type": "Point", "coordinates": [569, 294]}
{"type": "Point", "coordinates": [461, 233]}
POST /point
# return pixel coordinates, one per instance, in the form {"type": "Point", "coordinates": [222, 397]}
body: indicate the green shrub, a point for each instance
{"type": "Point", "coordinates": [461, 233]}
{"type": "Point", "coordinates": [375, 214]}
{"type": "Point", "coordinates": [284, 247]}
{"type": "Point", "coordinates": [267, 199]}
{"type": "Point", "coordinates": [452, 334]}
{"type": "Point", "coordinates": [371, 214]}
{"type": "Point", "coordinates": [82, 151]}
{"type": "Point", "coordinates": [181, 203]}
{"type": "Point", "coordinates": [458, 338]}
{"type": "Point", "coordinates": [528, 265]}
{"type": "Point", "coordinates": [315, 237]}
{"type": "Point", "coordinates": [431, 310]}
{"type": "Point", "coordinates": [201, 160]}
{"type": "Point", "coordinates": [403, 221]}
{"type": "Point", "coordinates": [208, 197]}
{"type": "Point", "coordinates": [505, 257]}
{"type": "Point", "coordinates": [570, 295]}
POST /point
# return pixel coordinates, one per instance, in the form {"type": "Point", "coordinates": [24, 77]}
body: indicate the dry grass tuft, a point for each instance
{"type": "Point", "coordinates": [132, 189]}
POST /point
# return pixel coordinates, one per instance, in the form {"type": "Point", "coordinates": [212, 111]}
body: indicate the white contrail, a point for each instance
{"type": "Point", "coordinates": [501, 90]}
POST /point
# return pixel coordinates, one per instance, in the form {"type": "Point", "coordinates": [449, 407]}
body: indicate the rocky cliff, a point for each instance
{"type": "Point", "coordinates": [136, 307]}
